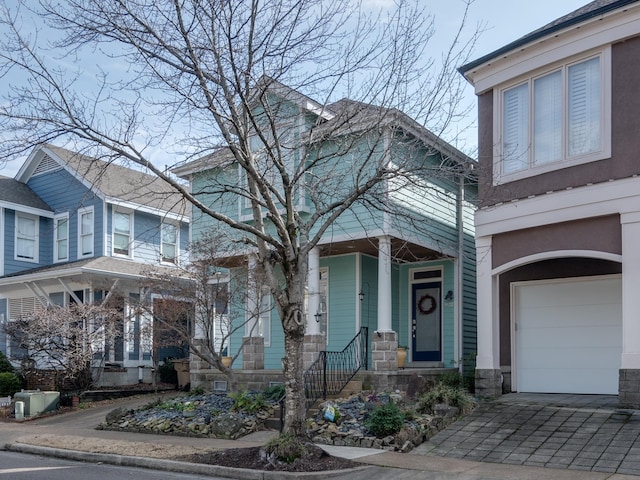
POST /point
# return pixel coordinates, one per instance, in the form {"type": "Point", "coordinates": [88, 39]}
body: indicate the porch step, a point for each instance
{"type": "Point", "coordinates": [352, 388]}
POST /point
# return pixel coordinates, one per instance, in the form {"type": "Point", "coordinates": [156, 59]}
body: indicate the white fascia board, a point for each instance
{"type": "Point", "coordinates": [609, 198]}
{"type": "Point", "coordinates": [594, 33]}
{"type": "Point", "coordinates": [25, 209]}
{"type": "Point", "coordinates": [145, 208]}
{"type": "Point", "coordinates": [34, 277]}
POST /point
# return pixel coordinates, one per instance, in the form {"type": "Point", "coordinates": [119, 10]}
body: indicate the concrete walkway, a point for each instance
{"type": "Point", "coordinates": [518, 437]}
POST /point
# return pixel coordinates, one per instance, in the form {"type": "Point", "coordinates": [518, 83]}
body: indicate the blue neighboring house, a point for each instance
{"type": "Point", "coordinates": [419, 292]}
{"type": "Point", "coordinates": [74, 229]}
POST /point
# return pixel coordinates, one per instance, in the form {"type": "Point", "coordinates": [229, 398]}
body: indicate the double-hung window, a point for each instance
{"type": "Point", "coordinates": [555, 119]}
{"type": "Point", "coordinates": [122, 233]}
{"type": "Point", "coordinates": [264, 316]}
{"type": "Point", "coordinates": [85, 232]}
{"type": "Point", "coordinates": [26, 237]}
{"type": "Point", "coordinates": [169, 243]}
{"type": "Point", "coordinates": [61, 238]}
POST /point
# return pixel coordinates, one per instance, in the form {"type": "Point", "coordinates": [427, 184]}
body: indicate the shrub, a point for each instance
{"type": "Point", "coordinates": [5, 364]}
{"type": "Point", "coordinates": [451, 378]}
{"type": "Point", "coordinates": [274, 392]}
{"type": "Point", "coordinates": [168, 373]}
{"type": "Point", "coordinates": [285, 448]}
{"type": "Point", "coordinates": [444, 394]}
{"type": "Point", "coordinates": [385, 419]}
{"type": "Point", "coordinates": [195, 391]}
{"type": "Point", "coordinates": [247, 402]}
{"type": "Point", "coordinates": [10, 383]}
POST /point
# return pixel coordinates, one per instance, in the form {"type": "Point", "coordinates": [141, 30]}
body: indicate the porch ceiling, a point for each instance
{"type": "Point", "coordinates": [401, 250]}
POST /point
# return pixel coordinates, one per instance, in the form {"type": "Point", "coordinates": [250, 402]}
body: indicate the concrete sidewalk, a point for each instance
{"type": "Point", "coordinates": [88, 444]}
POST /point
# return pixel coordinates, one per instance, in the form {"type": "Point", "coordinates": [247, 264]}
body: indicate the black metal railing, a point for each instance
{"type": "Point", "coordinates": [331, 371]}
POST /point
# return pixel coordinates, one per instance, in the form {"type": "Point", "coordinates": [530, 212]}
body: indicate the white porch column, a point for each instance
{"type": "Point", "coordinates": [384, 284]}
{"type": "Point", "coordinates": [488, 374]}
{"type": "Point", "coordinates": [630, 288]}
{"type": "Point", "coordinates": [253, 293]}
{"type": "Point", "coordinates": [313, 289]}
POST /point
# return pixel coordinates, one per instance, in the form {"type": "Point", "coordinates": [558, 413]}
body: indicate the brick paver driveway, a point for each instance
{"type": "Point", "coordinates": [585, 432]}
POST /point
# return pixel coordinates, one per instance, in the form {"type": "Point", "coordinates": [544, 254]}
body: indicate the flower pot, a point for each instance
{"type": "Point", "coordinates": [226, 361]}
{"type": "Point", "coordinates": [402, 356]}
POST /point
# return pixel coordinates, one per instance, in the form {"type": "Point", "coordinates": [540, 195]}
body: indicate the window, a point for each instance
{"type": "Point", "coordinates": [26, 237]}
{"type": "Point", "coordinates": [554, 120]}
{"type": "Point", "coordinates": [264, 317]}
{"type": "Point", "coordinates": [122, 233]}
{"type": "Point", "coordinates": [85, 232]}
{"type": "Point", "coordinates": [169, 243]}
{"type": "Point", "coordinates": [61, 238]}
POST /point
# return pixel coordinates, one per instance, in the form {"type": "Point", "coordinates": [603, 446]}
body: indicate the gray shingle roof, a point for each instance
{"type": "Point", "coordinates": [13, 191]}
{"type": "Point", "coordinates": [590, 10]}
{"type": "Point", "coordinates": [124, 183]}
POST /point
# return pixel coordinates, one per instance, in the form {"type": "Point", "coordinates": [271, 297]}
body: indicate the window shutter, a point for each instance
{"type": "Point", "coordinates": [584, 107]}
{"type": "Point", "coordinates": [515, 132]}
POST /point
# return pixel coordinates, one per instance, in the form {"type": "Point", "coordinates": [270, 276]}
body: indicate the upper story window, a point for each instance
{"type": "Point", "coordinates": [85, 232]}
{"type": "Point", "coordinates": [555, 119]}
{"type": "Point", "coordinates": [122, 229]}
{"type": "Point", "coordinates": [26, 237]}
{"type": "Point", "coordinates": [169, 243]}
{"type": "Point", "coordinates": [61, 238]}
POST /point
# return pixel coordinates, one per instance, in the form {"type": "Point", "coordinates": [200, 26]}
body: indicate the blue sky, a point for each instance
{"type": "Point", "coordinates": [503, 21]}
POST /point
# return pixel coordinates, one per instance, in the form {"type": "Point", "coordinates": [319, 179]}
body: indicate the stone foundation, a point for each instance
{"type": "Point", "coordinates": [313, 345]}
{"type": "Point", "coordinates": [384, 351]}
{"type": "Point", "coordinates": [256, 380]}
{"type": "Point", "coordinates": [629, 388]}
{"type": "Point", "coordinates": [253, 353]}
{"type": "Point", "coordinates": [488, 383]}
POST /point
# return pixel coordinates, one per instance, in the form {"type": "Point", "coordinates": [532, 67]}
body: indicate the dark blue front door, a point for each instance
{"type": "Point", "coordinates": [426, 319]}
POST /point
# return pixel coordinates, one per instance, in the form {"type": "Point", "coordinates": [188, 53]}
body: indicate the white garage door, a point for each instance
{"type": "Point", "coordinates": [568, 335]}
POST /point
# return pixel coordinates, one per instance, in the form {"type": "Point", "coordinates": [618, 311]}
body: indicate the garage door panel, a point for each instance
{"type": "Point", "coordinates": [568, 336]}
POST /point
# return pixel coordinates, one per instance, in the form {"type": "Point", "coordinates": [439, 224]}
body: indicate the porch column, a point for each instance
{"type": "Point", "coordinates": [314, 341]}
{"type": "Point", "coordinates": [488, 374]}
{"type": "Point", "coordinates": [253, 344]}
{"type": "Point", "coordinates": [629, 379]}
{"type": "Point", "coordinates": [384, 341]}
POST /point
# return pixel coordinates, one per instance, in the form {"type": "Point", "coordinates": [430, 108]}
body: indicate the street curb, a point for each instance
{"type": "Point", "coordinates": [183, 467]}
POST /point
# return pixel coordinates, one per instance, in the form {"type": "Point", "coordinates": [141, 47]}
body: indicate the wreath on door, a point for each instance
{"type": "Point", "coordinates": [427, 304]}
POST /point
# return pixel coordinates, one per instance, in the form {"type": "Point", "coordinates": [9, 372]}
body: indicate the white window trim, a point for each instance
{"type": "Point", "coordinates": [264, 316]}
{"type": "Point", "coordinates": [177, 244]}
{"type": "Point", "coordinates": [130, 213]}
{"type": "Point", "coordinates": [2, 217]}
{"type": "Point", "coordinates": [323, 286]}
{"type": "Point", "coordinates": [56, 219]}
{"type": "Point", "coordinates": [36, 248]}
{"type": "Point", "coordinates": [605, 119]}
{"type": "Point", "coordinates": [81, 212]}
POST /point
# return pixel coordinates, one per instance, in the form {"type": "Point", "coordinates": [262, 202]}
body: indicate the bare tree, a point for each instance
{"type": "Point", "coordinates": [64, 339]}
{"type": "Point", "coordinates": [210, 75]}
{"type": "Point", "coordinates": [198, 313]}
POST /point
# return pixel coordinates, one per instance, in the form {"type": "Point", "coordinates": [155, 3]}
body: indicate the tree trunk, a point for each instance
{"type": "Point", "coordinates": [295, 407]}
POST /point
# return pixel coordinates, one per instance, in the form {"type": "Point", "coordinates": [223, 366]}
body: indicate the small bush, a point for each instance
{"type": "Point", "coordinates": [274, 392]}
{"type": "Point", "coordinates": [444, 394]}
{"type": "Point", "coordinates": [167, 373]}
{"type": "Point", "coordinates": [195, 391]}
{"type": "Point", "coordinates": [285, 448]}
{"type": "Point", "coordinates": [386, 419]}
{"type": "Point", "coordinates": [10, 383]}
{"type": "Point", "coordinates": [248, 402]}
{"type": "Point", "coordinates": [451, 378]}
{"type": "Point", "coordinates": [5, 364]}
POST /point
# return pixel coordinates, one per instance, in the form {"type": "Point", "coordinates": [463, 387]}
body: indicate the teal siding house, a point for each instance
{"type": "Point", "coordinates": [78, 229]}
{"type": "Point", "coordinates": [400, 261]}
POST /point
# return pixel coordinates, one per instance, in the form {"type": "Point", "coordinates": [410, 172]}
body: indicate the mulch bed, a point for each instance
{"type": "Point", "coordinates": [317, 460]}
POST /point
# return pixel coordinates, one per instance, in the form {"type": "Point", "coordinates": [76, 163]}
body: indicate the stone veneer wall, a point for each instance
{"type": "Point", "coordinates": [313, 345]}
{"type": "Point", "coordinates": [629, 388]}
{"type": "Point", "coordinates": [253, 353]}
{"type": "Point", "coordinates": [384, 351]}
{"type": "Point", "coordinates": [488, 383]}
